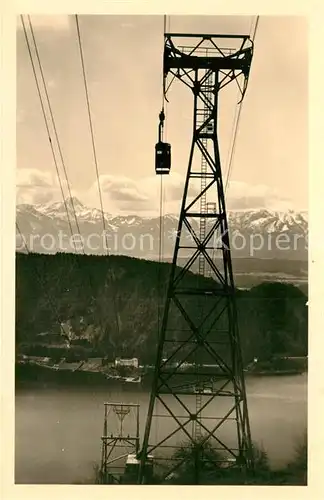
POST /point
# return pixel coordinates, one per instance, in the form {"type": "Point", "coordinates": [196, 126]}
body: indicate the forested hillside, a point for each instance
{"type": "Point", "coordinates": [85, 291]}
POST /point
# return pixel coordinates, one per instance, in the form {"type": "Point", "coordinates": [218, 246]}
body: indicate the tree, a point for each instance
{"type": "Point", "coordinates": [297, 468]}
{"type": "Point", "coordinates": [200, 463]}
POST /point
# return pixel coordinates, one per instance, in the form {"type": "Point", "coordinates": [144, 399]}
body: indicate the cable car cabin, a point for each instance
{"type": "Point", "coordinates": [162, 158]}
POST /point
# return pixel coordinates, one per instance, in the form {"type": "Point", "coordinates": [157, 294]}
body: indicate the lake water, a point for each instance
{"type": "Point", "coordinates": [58, 429]}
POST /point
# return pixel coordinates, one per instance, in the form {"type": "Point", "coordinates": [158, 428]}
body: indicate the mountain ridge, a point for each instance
{"type": "Point", "coordinates": [50, 219]}
{"type": "Point", "coordinates": [77, 290]}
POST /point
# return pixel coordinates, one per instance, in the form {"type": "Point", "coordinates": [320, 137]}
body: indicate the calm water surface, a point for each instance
{"type": "Point", "coordinates": [58, 429]}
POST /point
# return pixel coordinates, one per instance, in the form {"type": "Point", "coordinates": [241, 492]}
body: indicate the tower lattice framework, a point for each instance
{"type": "Point", "coordinates": [199, 381]}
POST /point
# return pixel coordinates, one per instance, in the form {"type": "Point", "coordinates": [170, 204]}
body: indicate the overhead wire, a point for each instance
{"type": "Point", "coordinates": [41, 282]}
{"type": "Point", "coordinates": [161, 177]}
{"type": "Point", "coordinates": [47, 126]}
{"type": "Point", "coordinates": [162, 191]}
{"type": "Point", "coordinates": [233, 147]}
{"type": "Point", "coordinates": [166, 26]}
{"type": "Point", "coordinates": [54, 127]}
{"type": "Point", "coordinates": [237, 118]}
{"type": "Point", "coordinates": [59, 149]}
{"type": "Point", "coordinates": [90, 118]}
{"type": "Point", "coordinates": [84, 77]}
{"type": "Point", "coordinates": [255, 27]}
{"type": "Point", "coordinates": [51, 141]}
{"type": "Point", "coordinates": [161, 226]}
{"type": "Point", "coordinates": [231, 152]}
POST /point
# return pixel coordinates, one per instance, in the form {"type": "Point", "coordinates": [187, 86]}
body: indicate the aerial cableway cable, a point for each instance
{"type": "Point", "coordinates": [111, 272]}
{"type": "Point", "coordinates": [161, 221]}
{"type": "Point", "coordinates": [255, 28]}
{"type": "Point", "coordinates": [237, 118]}
{"type": "Point", "coordinates": [47, 127]}
{"type": "Point", "coordinates": [235, 128]}
{"type": "Point", "coordinates": [53, 153]}
{"type": "Point", "coordinates": [44, 288]}
{"type": "Point", "coordinates": [90, 122]}
{"type": "Point", "coordinates": [161, 197]}
{"type": "Point", "coordinates": [54, 127]}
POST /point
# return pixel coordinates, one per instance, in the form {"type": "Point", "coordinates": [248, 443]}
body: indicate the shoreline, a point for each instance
{"type": "Point", "coordinates": [35, 374]}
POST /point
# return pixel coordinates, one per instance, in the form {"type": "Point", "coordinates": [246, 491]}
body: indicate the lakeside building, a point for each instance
{"type": "Point", "coordinates": [132, 362]}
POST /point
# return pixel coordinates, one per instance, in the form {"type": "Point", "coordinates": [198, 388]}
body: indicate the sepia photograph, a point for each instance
{"type": "Point", "coordinates": [161, 315]}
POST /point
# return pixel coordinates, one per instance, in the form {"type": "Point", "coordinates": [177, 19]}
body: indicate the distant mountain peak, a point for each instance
{"type": "Point", "coordinates": [73, 201]}
{"type": "Point", "coordinates": [132, 234]}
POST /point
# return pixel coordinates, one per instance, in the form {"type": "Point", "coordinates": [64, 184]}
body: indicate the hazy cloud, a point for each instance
{"type": "Point", "coordinates": [122, 194]}
{"type": "Point", "coordinates": [35, 186]}
{"type": "Point", "coordinates": [242, 196]}
{"type": "Point", "coordinates": [175, 187]}
{"type": "Point", "coordinates": [119, 188]}
{"type": "Point", "coordinates": [125, 98]}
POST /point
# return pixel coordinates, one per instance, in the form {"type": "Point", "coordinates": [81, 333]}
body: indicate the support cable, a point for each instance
{"type": "Point", "coordinates": [231, 152]}
{"type": "Point", "coordinates": [45, 289]}
{"type": "Point", "coordinates": [90, 120]}
{"type": "Point", "coordinates": [60, 150]}
{"type": "Point", "coordinates": [111, 272]}
{"type": "Point", "coordinates": [47, 127]}
{"type": "Point", "coordinates": [255, 28]}
{"type": "Point", "coordinates": [54, 127]}
{"type": "Point", "coordinates": [237, 120]}
{"type": "Point", "coordinates": [161, 229]}
{"type": "Point", "coordinates": [53, 152]}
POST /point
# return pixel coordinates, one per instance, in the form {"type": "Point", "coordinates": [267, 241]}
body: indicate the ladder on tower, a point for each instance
{"type": "Point", "coordinates": [212, 209]}
{"type": "Point", "coordinates": [202, 115]}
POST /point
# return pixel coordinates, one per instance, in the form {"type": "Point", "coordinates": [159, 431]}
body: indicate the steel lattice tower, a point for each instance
{"type": "Point", "coordinates": [114, 439]}
{"type": "Point", "coordinates": [199, 380]}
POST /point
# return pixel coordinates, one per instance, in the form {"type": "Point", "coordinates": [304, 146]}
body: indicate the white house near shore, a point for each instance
{"type": "Point", "coordinates": [133, 362]}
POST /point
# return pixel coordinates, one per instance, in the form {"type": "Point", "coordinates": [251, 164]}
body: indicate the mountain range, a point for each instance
{"type": "Point", "coordinates": [253, 233]}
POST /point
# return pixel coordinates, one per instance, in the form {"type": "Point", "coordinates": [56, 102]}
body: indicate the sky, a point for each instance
{"type": "Point", "coordinates": [123, 61]}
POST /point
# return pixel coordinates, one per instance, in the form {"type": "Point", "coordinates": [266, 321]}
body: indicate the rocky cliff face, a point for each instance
{"type": "Point", "coordinates": [113, 303]}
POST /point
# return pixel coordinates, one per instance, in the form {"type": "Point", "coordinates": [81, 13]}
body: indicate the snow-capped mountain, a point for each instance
{"type": "Point", "coordinates": [269, 221]}
{"type": "Point", "coordinates": [59, 209]}
{"type": "Point", "coordinates": [47, 229]}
